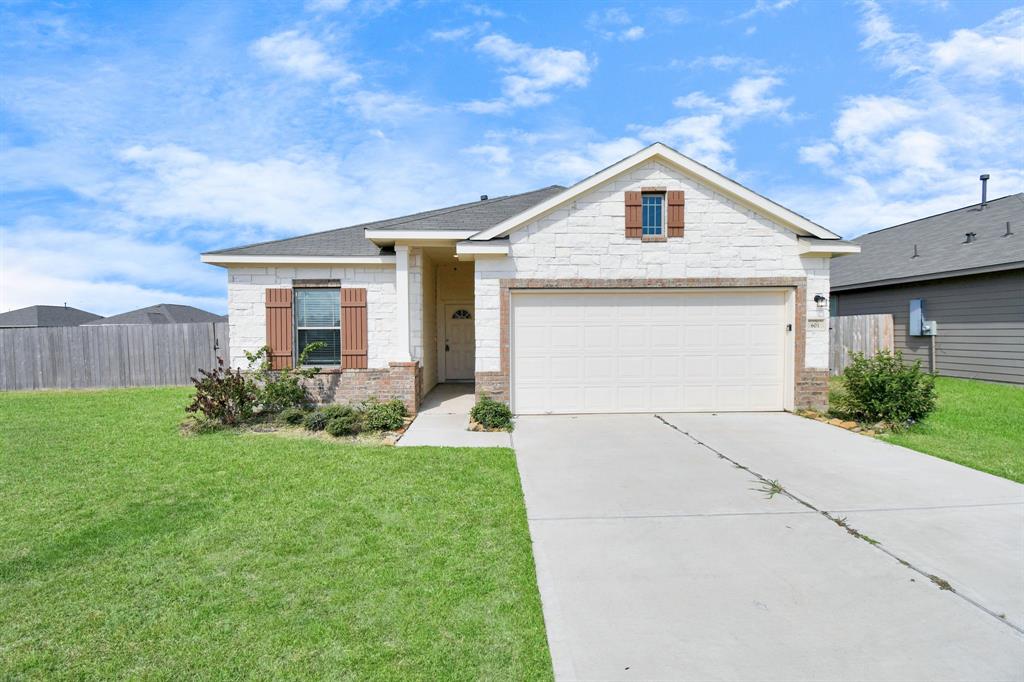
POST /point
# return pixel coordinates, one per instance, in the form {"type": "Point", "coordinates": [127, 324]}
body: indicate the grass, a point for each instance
{"type": "Point", "coordinates": [977, 424]}
{"type": "Point", "coordinates": [127, 551]}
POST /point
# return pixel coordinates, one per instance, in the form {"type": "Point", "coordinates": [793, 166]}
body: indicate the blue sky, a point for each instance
{"type": "Point", "coordinates": [134, 136]}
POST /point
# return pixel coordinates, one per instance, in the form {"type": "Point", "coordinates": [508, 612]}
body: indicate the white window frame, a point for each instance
{"type": "Point", "coordinates": [296, 351]}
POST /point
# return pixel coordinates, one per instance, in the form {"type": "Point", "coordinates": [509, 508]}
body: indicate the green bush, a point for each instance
{"type": "Point", "coordinates": [884, 389]}
{"type": "Point", "coordinates": [492, 414]}
{"type": "Point", "coordinates": [279, 389]}
{"type": "Point", "coordinates": [292, 415]}
{"type": "Point", "coordinates": [378, 416]}
{"type": "Point", "coordinates": [345, 425]}
{"type": "Point", "coordinates": [223, 395]}
{"type": "Point", "coordinates": [336, 411]}
{"type": "Point", "coordinates": [315, 421]}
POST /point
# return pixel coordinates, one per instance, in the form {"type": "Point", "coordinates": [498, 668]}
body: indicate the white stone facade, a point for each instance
{"type": "Point", "coordinates": [247, 312]}
{"type": "Point", "coordinates": [586, 239]}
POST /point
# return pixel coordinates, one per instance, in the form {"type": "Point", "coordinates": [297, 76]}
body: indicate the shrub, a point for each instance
{"type": "Point", "coordinates": [279, 389]}
{"type": "Point", "coordinates": [223, 395]}
{"type": "Point", "coordinates": [315, 421]}
{"type": "Point", "coordinates": [492, 414]}
{"type": "Point", "coordinates": [292, 415]}
{"type": "Point", "coordinates": [339, 411]}
{"type": "Point", "coordinates": [378, 416]}
{"type": "Point", "coordinates": [345, 425]}
{"type": "Point", "coordinates": [883, 388]}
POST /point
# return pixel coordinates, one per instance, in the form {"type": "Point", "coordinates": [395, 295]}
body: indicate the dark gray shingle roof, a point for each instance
{"type": "Point", "coordinates": [887, 254]}
{"type": "Point", "coordinates": [349, 241]}
{"type": "Point", "coordinates": [161, 313]}
{"type": "Point", "coordinates": [46, 316]}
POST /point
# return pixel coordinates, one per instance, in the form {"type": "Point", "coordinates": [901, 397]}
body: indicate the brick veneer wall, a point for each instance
{"type": "Point", "coordinates": [401, 380]}
{"type": "Point", "coordinates": [810, 385]}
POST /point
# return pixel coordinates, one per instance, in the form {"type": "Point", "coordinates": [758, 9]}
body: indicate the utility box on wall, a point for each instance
{"type": "Point", "coordinates": [914, 328]}
{"type": "Point", "coordinates": [918, 326]}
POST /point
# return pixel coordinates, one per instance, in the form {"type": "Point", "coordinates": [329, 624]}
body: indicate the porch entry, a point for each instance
{"type": "Point", "coordinates": [459, 341]}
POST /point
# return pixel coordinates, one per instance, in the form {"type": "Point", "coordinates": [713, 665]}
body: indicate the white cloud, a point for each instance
{"type": "Point", "coordinates": [41, 264]}
{"type": "Point", "coordinates": [298, 54]}
{"type": "Point", "coordinates": [704, 134]}
{"type": "Point", "coordinates": [767, 7]}
{"type": "Point", "coordinates": [614, 23]}
{"type": "Point", "coordinates": [499, 155]}
{"type": "Point", "coordinates": [286, 195]}
{"type": "Point", "coordinates": [577, 160]}
{"type": "Point", "coordinates": [897, 157]}
{"type": "Point", "coordinates": [326, 5]}
{"type": "Point", "coordinates": [387, 107]}
{"type": "Point", "coordinates": [992, 51]}
{"type": "Point", "coordinates": [483, 11]}
{"type": "Point", "coordinates": [452, 34]}
{"type": "Point", "coordinates": [532, 73]}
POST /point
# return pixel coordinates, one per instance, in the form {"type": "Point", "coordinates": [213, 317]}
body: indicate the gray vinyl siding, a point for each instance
{"type": "Point", "coordinates": [981, 322]}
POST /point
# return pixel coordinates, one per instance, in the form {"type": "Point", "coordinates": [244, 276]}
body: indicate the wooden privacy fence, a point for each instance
{"type": "Point", "coordinates": [865, 334]}
{"type": "Point", "coordinates": [105, 356]}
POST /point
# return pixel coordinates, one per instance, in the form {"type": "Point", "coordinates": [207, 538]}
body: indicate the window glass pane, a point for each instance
{"type": "Point", "coordinates": [652, 213]}
{"type": "Point", "coordinates": [317, 307]}
{"type": "Point", "coordinates": [330, 355]}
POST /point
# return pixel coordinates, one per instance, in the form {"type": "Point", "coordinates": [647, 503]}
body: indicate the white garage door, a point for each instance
{"type": "Point", "coordinates": [681, 351]}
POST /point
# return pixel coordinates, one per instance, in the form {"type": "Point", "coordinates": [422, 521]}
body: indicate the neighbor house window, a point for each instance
{"type": "Point", "coordinates": [318, 318]}
{"type": "Point", "coordinates": [653, 206]}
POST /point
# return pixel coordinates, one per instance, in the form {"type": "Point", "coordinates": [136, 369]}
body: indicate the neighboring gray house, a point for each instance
{"type": "Point", "coordinates": [46, 316]}
{"type": "Point", "coordinates": [162, 313]}
{"type": "Point", "coordinates": [967, 267]}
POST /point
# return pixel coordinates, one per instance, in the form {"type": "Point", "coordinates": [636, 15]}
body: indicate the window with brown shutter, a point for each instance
{"type": "Point", "coordinates": [676, 213]}
{"type": "Point", "coordinates": [354, 344]}
{"type": "Point", "coordinates": [634, 216]}
{"type": "Point", "coordinates": [279, 327]}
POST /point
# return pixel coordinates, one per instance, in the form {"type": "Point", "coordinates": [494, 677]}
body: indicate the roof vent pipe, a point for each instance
{"type": "Point", "coordinates": [984, 189]}
{"type": "Point", "coordinates": [1008, 233]}
{"type": "Point", "coordinates": [915, 251]}
{"type": "Point", "coordinates": [971, 236]}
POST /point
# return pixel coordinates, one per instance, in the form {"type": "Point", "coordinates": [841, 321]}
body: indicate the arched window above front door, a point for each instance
{"type": "Point", "coordinates": [462, 314]}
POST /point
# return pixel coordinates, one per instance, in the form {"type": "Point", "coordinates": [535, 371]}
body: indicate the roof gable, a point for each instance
{"type": "Point", "coordinates": [661, 152]}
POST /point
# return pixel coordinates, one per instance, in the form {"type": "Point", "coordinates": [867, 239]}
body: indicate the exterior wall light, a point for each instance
{"type": "Point", "coordinates": [820, 300]}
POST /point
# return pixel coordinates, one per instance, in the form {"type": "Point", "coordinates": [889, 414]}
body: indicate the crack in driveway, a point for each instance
{"type": "Point", "coordinates": [940, 582]}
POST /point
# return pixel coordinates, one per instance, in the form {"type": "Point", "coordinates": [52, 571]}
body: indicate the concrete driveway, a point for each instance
{"type": "Point", "coordinates": [659, 557]}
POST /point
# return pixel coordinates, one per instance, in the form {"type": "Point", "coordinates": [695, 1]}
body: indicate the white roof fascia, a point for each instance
{"type": "Point", "coordinates": [414, 236]}
{"type": "Point", "coordinates": [215, 259]}
{"type": "Point", "coordinates": [469, 249]}
{"type": "Point", "coordinates": [780, 214]}
{"type": "Point", "coordinates": [825, 247]}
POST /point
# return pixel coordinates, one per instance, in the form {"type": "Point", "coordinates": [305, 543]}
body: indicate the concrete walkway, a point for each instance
{"type": "Point", "coordinates": [443, 418]}
{"type": "Point", "coordinates": [659, 558]}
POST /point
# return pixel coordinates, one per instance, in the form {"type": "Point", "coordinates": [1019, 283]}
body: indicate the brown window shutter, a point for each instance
{"type": "Point", "coordinates": [634, 216]}
{"type": "Point", "coordinates": [353, 329]}
{"type": "Point", "coordinates": [676, 213]}
{"type": "Point", "coordinates": [279, 327]}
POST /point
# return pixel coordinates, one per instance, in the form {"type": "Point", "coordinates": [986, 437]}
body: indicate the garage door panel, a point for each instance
{"type": "Point", "coordinates": [644, 351]}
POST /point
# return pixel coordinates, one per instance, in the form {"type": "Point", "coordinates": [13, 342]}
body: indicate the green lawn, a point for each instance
{"type": "Point", "coordinates": [977, 424]}
{"type": "Point", "coordinates": [127, 551]}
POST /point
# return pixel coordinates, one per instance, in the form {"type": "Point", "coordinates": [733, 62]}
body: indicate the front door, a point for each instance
{"type": "Point", "coordinates": [459, 342]}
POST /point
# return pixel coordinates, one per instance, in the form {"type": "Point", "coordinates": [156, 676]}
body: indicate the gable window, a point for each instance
{"type": "Point", "coordinates": [318, 318]}
{"type": "Point", "coordinates": [653, 209]}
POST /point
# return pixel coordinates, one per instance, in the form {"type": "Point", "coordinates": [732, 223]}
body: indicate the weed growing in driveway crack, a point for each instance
{"type": "Point", "coordinates": [770, 487]}
{"type": "Point", "coordinates": [942, 583]}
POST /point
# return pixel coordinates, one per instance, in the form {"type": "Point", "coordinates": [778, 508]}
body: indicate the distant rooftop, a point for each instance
{"type": "Point", "coordinates": [349, 241]}
{"type": "Point", "coordinates": [46, 316]}
{"type": "Point", "coordinates": [942, 246]}
{"type": "Point", "coordinates": [162, 313]}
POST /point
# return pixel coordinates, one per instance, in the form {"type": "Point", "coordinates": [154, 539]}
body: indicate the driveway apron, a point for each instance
{"type": "Point", "coordinates": [659, 557]}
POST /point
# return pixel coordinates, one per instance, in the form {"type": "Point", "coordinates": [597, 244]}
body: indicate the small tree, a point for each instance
{"type": "Point", "coordinates": [278, 389]}
{"type": "Point", "coordinates": [223, 395]}
{"type": "Point", "coordinates": [884, 388]}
